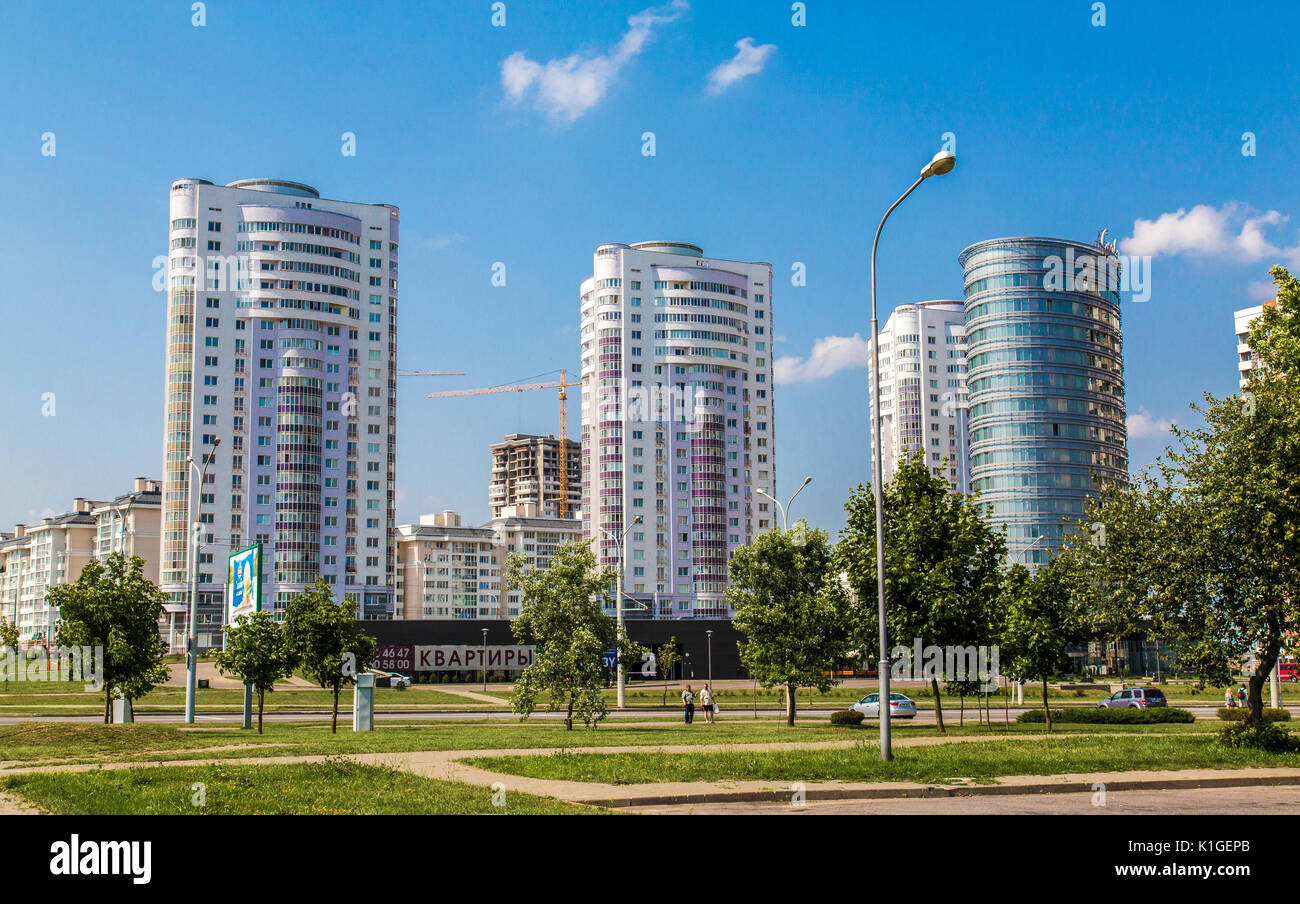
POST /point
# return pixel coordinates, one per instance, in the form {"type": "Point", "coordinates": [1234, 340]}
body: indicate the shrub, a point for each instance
{"type": "Point", "coordinates": [1264, 736]}
{"type": "Point", "coordinates": [1239, 715]}
{"type": "Point", "coordinates": [1088, 715]}
{"type": "Point", "coordinates": [846, 717]}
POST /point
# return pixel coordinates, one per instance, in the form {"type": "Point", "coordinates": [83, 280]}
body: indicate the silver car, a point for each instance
{"type": "Point", "coordinates": [1134, 698]}
{"type": "Point", "coordinates": [900, 707]}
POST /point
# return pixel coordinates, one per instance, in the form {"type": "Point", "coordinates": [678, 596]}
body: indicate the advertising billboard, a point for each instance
{"type": "Point", "coordinates": [244, 582]}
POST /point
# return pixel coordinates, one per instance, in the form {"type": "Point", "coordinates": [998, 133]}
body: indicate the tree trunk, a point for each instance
{"type": "Point", "coordinates": [261, 695]}
{"type": "Point", "coordinates": [568, 717]}
{"type": "Point", "coordinates": [938, 706]}
{"type": "Point", "coordinates": [108, 703]}
{"type": "Point", "coordinates": [961, 719]}
{"type": "Point", "coordinates": [334, 719]}
{"type": "Point", "coordinates": [1047, 712]}
{"type": "Point", "coordinates": [1263, 670]}
{"type": "Point", "coordinates": [791, 691]}
{"type": "Point", "coordinates": [1006, 705]}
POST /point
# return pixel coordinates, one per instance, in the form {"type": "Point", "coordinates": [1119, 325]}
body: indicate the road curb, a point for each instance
{"type": "Point", "coordinates": [812, 793]}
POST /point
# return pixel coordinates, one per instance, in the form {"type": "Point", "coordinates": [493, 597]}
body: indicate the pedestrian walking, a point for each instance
{"type": "Point", "coordinates": [706, 700]}
{"type": "Point", "coordinates": [1228, 700]}
{"type": "Point", "coordinates": [688, 704]}
{"type": "Point", "coordinates": [1241, 695]}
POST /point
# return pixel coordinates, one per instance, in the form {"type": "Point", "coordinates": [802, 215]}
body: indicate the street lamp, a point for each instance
{"type": "Point", "coordinates": [192, 640]}
{"type": "Point", "coordinates": [783, 509]}
{"type": "Point", "coordinates": [939, 164]}
{"type": "Point", "coordinates": [484, 630]}
{"type": "Point", "coordinates": [709, 634]}
{"type": "Point", "coordinates": [621, 539]}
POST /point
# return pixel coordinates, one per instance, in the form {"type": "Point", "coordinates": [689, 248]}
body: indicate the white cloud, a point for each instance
{"type": "Point", "coordinates": [443, 240]}
{"type": "Point", "coordinates": [830, 355]}
{"type": "Point", "coordinates": [1143, 426]}
{"type": "Point", "coordinates": [1235, 231]}
{"type": "Point", "coordinates": [565, 89]}
{"type": "Point", "coordinates": [749, 60]}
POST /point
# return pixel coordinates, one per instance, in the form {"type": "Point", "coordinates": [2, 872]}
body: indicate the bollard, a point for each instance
{"type": "Point", "coordinates": [122, 711]}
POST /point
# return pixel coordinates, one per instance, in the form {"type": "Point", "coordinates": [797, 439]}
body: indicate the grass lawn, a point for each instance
{"type": "Point", "coordinates": [52, 742]}
{"type": "Point", "coordinates": [336, 787]}
{"type": "Point", "coordinates": [980, 762]}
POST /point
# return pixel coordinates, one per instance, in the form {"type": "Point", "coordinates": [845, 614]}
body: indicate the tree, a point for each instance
{"type": "Point", "coordinates": [323, 636]}
{"type": "Point", "coordinates": [563, 613]}
{"type": "Point", "coordinates": [791, 611]}
{"type": "Point", "coordinates": [669, 655]}
{"type": "Point", "coordinates": [257, 651]}
{"type": "Point", "coordinates": [9, 639]}
{"type": "Point", "coordinates": [1040, 620]}
{"type": "Point", "coordinates": [112, 605]}
{"type": "Point", "coordinates": [943, 564]}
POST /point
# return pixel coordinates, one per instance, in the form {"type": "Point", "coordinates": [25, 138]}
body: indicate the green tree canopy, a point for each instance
{"type": "Point", "coordinates": [259, 653]}
{"type": "Point", "coordinates": [943, 564]}
{"type": "Point", "coordinates": [791, 610]}
{"type": "Point", "coordinates": [563, 613]}
{"type": "Point", "coordinates": [323, 636]}
{"type": "Point", "coordinates": [1040, 620]}
{"type": "Point", "coordinates": [114, 606]}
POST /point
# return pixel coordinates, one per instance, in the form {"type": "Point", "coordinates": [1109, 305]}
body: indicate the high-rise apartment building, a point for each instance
{"type": "Point", "coordinates": [923, 390]}
{"type": "Point", "coordinates": [282, 345]}
{"type": "Point", "coordinates": [1045, 375]}
{"type": "Point", "coordinates": [526, 476]}
{"type": "Point", "coordinates": [677, 418]}
{"type": "Point", "coordinates": [1247, 360]}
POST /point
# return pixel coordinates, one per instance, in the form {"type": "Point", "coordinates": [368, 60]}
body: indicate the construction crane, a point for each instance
{"type": "Point", "coordinates": [562, 507]}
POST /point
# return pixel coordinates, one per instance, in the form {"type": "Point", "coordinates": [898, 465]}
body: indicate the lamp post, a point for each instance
{"type": "Point", "coordinates": [784, 509]}
{"type": "Point", "coordinates": [621, 539]}
{"type": "Point", "coordinates": [939, 164]}
{"type": "Point", "coordinates": [192, 636]}
{"type": "Point", "coordinates": [484, 630]}
{"type": "Point", "coordinates": [709, 634]}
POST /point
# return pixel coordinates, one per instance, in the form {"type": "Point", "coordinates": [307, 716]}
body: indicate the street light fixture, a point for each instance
{"type": "Point", "coordinates": [783, 509]}
{"type": "Point", "coordinates": [485, 632]}
{"type": "Point", "coordinates": [196, 546]}
{"type": "Point", "coordinates": [939, 164]}
{"type": "Point", "coordinates": [621, 540]}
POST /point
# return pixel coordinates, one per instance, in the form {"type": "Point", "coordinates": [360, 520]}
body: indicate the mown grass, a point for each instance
{"type": "Point", "coordinates": [52, 743]}
{"type": "Point", "coordinates": [337, 787]}
{"type": "Point", "coordinates": [981, 762]}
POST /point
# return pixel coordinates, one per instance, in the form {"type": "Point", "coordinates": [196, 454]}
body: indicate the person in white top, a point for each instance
{"type": "Point", "coordinates": [688, 704]}
{"type": "Point", "coordinates": [706, 701]}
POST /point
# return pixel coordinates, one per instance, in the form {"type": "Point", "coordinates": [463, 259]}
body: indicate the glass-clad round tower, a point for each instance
{"type": "Point", "coordinates": [1045, 372]}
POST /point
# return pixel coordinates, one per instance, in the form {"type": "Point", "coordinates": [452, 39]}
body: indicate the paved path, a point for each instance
{"type": "Point", "coordinates": [1010, 794]}
{"type": "Point", "coordinates": [13, 805]}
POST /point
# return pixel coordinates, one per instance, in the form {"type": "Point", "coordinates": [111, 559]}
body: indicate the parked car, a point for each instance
{"type": "Point", "coordinates": [1134, 698]}
{"type": "Point", "coordinates": [396, 680]}
{"type": "Point", "coordinates": [900, 707]}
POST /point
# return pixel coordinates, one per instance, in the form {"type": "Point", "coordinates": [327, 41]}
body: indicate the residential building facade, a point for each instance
{"type": "Point", "coordinates": [1045, 376]}
{"type": "Point", "coordinates": [449, 570]}
{"type": "Point", "coordinates": [923, 402]}
{"type": "Point", "coordinates": [282, 341]}
{"type": "Point", "coordinates": [34, 559]}
{"type": "Point", "coordinates": [677, 417]}
{"type": "Point", "coordinates": [526, 475]}
{"type": "Point", "coordinates": [1247, 360]}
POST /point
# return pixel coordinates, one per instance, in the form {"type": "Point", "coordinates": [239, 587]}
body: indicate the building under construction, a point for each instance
{"type": "Point", "coordinates": [526, 473]}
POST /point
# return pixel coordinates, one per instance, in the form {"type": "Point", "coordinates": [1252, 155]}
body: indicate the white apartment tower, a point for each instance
{"type": "Point", "coordinates": [1247, 360]}
{"type": "Point", "coordinates": [282, 345]}
{"type": "Point", "coordinates": [677, 419]}
{"type": "Point", "coordinates": [923, 390]}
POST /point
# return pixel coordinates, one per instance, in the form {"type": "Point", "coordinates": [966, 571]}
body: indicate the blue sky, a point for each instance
{"type": "Point", "coordinates": [1062, 128]}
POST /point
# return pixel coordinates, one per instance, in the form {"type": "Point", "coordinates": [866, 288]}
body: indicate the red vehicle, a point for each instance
{"type": "Point", "coordinates": [1288, 671]}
